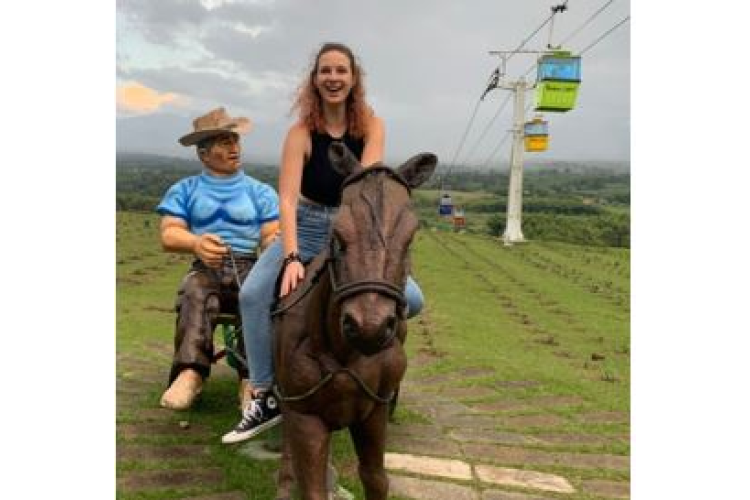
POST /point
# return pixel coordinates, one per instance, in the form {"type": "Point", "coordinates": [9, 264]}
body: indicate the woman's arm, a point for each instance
{"type": "Point", "coordinates": [374, 142]}
{"type": "Point", "coordinates": [296, 144]}
{"type": "Point", "coordinates": [268, 234]}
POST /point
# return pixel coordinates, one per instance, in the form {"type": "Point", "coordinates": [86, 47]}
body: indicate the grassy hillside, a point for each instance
{"type": "Point", "coordinates": [539, 321]}
{"type": "Point", "coordinates": [539, 311]}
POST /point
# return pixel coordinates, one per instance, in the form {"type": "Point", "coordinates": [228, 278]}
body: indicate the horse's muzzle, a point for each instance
{"type": "Point", "coordinates": [369, 341]}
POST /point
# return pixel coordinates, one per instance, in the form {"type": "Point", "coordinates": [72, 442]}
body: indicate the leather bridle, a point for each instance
{"type": "Point", "coordinates": [342, 291]}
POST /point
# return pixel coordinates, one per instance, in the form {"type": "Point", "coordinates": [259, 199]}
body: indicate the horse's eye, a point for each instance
{"type": "Point", "coordinates": [338, 244]}
{"type": "Point", "coordinates": [338, 240]}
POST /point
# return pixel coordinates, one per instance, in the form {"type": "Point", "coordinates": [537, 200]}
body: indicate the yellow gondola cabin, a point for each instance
{"type": "Point", "coordinates": [536, 135]}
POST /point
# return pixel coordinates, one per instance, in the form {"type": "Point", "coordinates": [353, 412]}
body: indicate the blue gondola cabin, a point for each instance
{"type": "Point", "coordinates": [445, 209]}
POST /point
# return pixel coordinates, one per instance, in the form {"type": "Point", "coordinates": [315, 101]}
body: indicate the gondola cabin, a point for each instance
{"type": "Point", "coordinates": [536, 144]}
{"type": "Point", "coordinates": [459, 219]}
{"type": "Point", "coordinates": [558, 79]}
{"type": "Point", "coordinates": [536, 135]}
{"type": "Point", "coordinates": [445, 208]}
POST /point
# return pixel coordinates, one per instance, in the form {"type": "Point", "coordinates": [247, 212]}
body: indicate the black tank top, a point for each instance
{"type": "Point", "coordinates": [320, 182]}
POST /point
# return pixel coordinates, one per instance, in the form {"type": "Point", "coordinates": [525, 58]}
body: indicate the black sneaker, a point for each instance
{"type": "Point", "coordinates": [261, 414]}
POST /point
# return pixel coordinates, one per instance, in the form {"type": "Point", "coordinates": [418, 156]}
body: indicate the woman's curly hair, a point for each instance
{"type": "Point", "coordinates": [308, 102]}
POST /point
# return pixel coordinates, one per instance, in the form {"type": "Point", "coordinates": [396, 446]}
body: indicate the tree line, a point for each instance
{"type": "Point", "coordinates": [584, 206]}
{"type": "Point", "coordinates": [142, 180]}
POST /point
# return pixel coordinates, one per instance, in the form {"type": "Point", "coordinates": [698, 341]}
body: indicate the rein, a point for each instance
{"type": "Point", "coordinates": [348, 290]}
{"type": "Point", "coordinates": [327, 378]}
{"type": "Point", "coordinates": [313, 281]}
{"type": "Point", "coordinates": [341, 292]}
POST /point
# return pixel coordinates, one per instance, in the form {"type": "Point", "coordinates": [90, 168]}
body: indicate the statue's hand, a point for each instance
{"type": "Point", "coordinates": [210, 249]}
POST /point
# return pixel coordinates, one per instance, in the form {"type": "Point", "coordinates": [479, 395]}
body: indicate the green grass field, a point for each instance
{"type": "Point", "coordinates": [534, 311]}
{"type": "Point", "coordinates": [554, 315]}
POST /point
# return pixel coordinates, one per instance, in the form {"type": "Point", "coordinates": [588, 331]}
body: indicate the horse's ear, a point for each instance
{"type": "Point", "coordinates": [418, 169]}
{"type": "Point", "coordinates": [343, 161]}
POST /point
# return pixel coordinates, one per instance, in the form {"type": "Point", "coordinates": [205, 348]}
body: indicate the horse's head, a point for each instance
{"type": "Point", "coordinates": [370, 246]}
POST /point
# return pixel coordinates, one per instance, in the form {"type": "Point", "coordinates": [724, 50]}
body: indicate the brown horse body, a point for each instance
{"type": "Point", "coordinates": [339, 337]}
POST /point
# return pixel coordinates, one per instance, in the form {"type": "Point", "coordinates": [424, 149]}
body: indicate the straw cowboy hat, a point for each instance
{"type": "Point", "coordinates": [213, 123]}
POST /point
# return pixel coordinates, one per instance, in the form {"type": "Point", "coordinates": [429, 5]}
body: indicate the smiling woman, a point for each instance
{"type": "Point", "coordinates": [332, 109]}
{"type": "Point", "coordinates": [336, 78]}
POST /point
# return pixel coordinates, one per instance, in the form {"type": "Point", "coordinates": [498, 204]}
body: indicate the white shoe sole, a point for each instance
{"type": "Point", "coordinates": [236, 437]}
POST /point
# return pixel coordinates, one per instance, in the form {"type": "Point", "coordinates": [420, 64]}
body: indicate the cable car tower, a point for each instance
{"type": "Point", "coordinates": [549, 63]}
{"type": "Point", "coordinates": [513, 233]}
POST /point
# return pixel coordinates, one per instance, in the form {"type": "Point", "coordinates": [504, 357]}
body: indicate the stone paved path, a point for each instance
{"type": "Point", "coordinates": [485, 444]}
{"type": "Point", "coordinates": [473, 444]}
{"type": "Point", "coordinates": [156, 451]}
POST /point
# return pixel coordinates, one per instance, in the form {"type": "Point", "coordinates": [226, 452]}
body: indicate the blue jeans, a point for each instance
{"type": "Point", "coordinates": [256, 294]}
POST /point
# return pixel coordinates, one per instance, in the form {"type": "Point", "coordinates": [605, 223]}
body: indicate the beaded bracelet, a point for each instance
{"type": "Point", "coordinates": [292, 257]}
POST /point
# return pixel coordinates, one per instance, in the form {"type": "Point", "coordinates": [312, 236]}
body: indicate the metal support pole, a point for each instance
{"type": "Point", "coordinates": [513, 233]}
{"type": "Point", "coordinates": [555, 9]}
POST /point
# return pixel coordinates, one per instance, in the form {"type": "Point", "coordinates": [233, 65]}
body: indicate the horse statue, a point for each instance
{"type": "Point", "coordinates": [338, 338]}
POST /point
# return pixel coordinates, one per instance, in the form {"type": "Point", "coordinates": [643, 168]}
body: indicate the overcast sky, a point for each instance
{"type": "Point", "coordinates": [427, 62]}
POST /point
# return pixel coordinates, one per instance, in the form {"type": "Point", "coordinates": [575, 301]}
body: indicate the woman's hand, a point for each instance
{"type": "Point", "coordinates": [294, 273]}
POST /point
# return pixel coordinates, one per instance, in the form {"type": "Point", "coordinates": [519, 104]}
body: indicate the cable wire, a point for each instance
{"type": "Point", "coordinates": [490, 85]}
{"type": "Point", "coordinates": [497, 148]}
{"type": "Point", "coordinates": [602, 37]}
{"type": "Point", "coordinates": [568, 38]}
{"type": "Point", "coordinates": [505, 138]}
{"type": "Point", "coordinates": [466, 132]}
{"type": "Point", "coordinates": [489, 125]}
{"type": "Point", "coordinates": [586, 22]}
{"type": "Point", "coordinates": [493, 77]}
{"type": "Point", "coordinates": [576, 31]}
{"type": "Point", "coordinates": [591, 45]}
{"type": "Point", "coordinates": [559, 8]}
{"type": "Point", "coordinates": [555, 10]}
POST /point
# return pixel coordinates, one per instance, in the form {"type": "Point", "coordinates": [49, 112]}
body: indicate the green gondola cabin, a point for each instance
{"type": "Point", "coordinates": [558, 79]}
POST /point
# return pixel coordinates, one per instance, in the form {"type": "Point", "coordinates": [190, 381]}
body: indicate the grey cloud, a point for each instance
{"type": "Point", "coordinates": [206, 90]}
{"type": "Point", "coordinates": [194, 83]}
{"type": "Point", "coordinates": [163, 21]}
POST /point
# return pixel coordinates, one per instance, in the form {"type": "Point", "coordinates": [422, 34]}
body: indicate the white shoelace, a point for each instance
{"type": "Point", "coordinates": [252, 411]}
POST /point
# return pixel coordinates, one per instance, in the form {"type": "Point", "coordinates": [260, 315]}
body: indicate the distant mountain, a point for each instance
{"type": "Point", "coordinates": [127, 160]}
{"type": "Point", "coordinates": [580, 167]}
{"type": "Point", "coordinates": [132, 160]}
{"type": "Point", "coordinates": [157, 134]}
{"type": "Point", "coordinates": [152, 134]}
{"type": "Point", "coordinates": [569, 166]}
{"type": "Point", "coordinates": [144, 174]}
